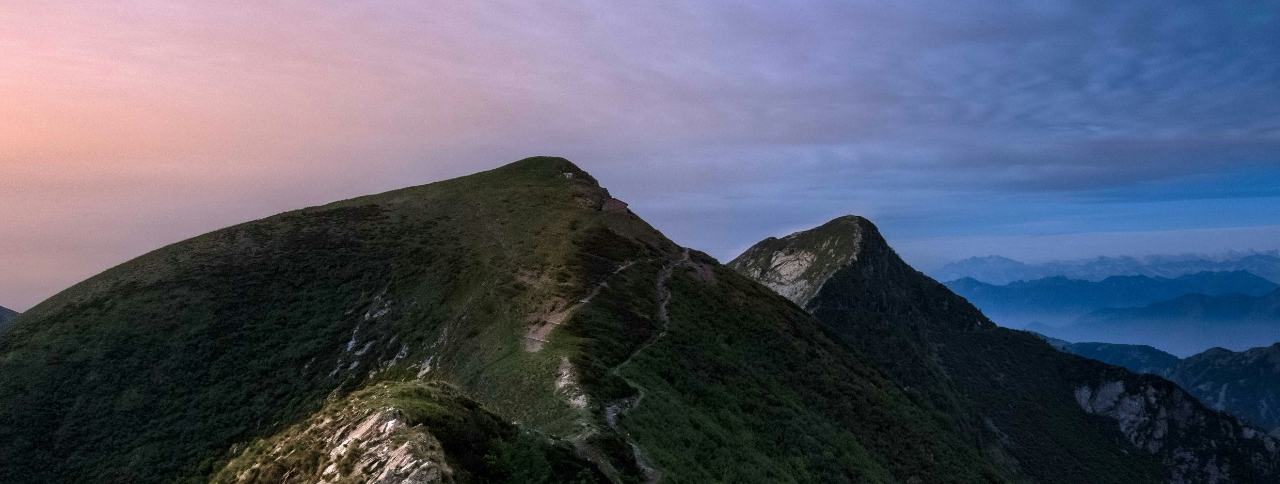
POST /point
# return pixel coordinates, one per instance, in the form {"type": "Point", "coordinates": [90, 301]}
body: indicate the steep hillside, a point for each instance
{"type": "Point", "coordinates": [1245, 384]}
{"type": "Point", "coordinates": [1058, 300]}
{"type": "Point", "coordinates": [1029, 407]}
{"type": "Point", "coordinates": [470, 330]}
{"type": "Point", "coordinates": [6, 315]}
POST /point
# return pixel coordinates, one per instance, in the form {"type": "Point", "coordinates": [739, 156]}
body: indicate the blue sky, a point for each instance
{"type": "Point", "coordinates": [1037, 130]}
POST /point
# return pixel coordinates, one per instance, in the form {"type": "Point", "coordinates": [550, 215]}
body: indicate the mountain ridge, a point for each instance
{"type": "Point", "coordinates": [522, 325]}
{"type": "Point", "coordinates": [1002, 270]}
{"type": "Point", "coordinates": [1059, 300]}
{"type": "Point", "coordinates": [267, 303]}
{"type": "Point", "coordinates": [1244, 383]}
{"type": "Point", "coordinates": [563, 321]}
{"type": "Point", "coordinates": [1207, 306]}
{"type": "Point", "coordinates": [1185, 325]}
{"type": "Point", "coordinates": [948, 352]}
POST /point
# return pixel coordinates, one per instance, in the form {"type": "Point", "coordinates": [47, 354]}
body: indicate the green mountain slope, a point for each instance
{"type": "Point", "coordinates": [513, 314]}
{"type": "Point", "coordinates": [1028, 407]}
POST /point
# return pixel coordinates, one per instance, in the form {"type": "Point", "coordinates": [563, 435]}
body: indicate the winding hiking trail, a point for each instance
{"type": "Point", "coordinates": [538, 336]}
{"type": "Point", "coordinates": [612, 412]}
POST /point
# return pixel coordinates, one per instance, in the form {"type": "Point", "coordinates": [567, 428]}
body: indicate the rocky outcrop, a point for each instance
{"type": "Point", "coordinates": [1033, 409]}
{"type": "Point", "coordinates": [796, 266]}
{"type": "Point", "coordinates": [1245, 383]}
{"type": "Point", "coordinates": [357, 438]}
{"type": "Point", "coordinates": [846, 266]}
{"type": "Point", "coordinates": [405, 433]}
{"type": "Point", "coordinates": [1165, 421]}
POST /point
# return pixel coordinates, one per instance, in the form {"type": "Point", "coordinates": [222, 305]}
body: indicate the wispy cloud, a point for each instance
{"type": "Point", "coordinates": [131, 124]}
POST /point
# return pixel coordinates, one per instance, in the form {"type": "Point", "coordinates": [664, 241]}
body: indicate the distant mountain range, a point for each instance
{"type": "Point", "coordinates": [1002, 270]}
{"type": "Point", "coordinates": [1185, 325]}
{"type": "Point", "coordinates": [1058, 300]}
{"type": "Point", "coordinates": [1246, 383]}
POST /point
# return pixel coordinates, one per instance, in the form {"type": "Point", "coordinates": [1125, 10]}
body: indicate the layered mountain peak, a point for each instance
{"type": "Point", "coordinates": [1030, 408]}
{"type": "Point", "coordinates": [849, 258]}
{"type": "Point", "coordinates": [797, 265]}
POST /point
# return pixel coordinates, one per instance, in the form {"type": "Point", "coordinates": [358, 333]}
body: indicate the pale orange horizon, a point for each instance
{"type": "Point", "coordinates": [981, 128]}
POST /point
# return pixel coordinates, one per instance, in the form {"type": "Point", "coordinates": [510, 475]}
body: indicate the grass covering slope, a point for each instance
{"type": "Point", "coordinates": [747, 388]}
{"type": "Point", "coordinates": [525, 288]}
{"type": "Point", "coordinates": [151, 370]}
{"type": "Point", "coordinates": [1028, 407]}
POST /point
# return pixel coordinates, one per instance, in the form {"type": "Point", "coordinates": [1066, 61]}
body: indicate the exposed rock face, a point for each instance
{"type": "Point", "coordinates": [1160, 419]}
{"type": "Point", "coordinates": [404, 433]}
{"type": "Point", "coordinates": [1032, 408]}
{"type": "Point", "coordinates": [1245, 384]}
{"type": "Point", "coordinates": [1142, 421]}
{"type": "Point", "coordinates": [797, 265]}
{"type": "Point", "coordinates": [846, 265]}
{"type": "Point", "coordinates": [354, 439]}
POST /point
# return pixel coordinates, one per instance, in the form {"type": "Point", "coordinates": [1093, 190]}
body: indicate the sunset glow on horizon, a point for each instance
{"type": "Point", "coordinates": [992, 127]}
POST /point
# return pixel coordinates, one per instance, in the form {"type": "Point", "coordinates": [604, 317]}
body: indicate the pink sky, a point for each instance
{"type": "Point", "coordinates": [127, 125]}
{"type": "Point", "coordinates": [971, 129]}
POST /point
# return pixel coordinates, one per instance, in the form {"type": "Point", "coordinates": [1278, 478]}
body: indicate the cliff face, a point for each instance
{"type": "Point", "coordinates": [1195, 444]}
{"type": "Point", "coordinates": [1245, 383]}
{"type": "Point", "coordinates": [1029, 407]}
{"type": "Point", "coordinates": [796, 266]}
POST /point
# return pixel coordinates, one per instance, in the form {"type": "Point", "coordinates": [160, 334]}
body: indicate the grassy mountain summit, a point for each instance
{"type": "Point", "coordinates": [1028, 408]}
{"type": "Point", "coordinates": [151, 371]}
{"type": "Point", "coordinates": [517, 325]}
